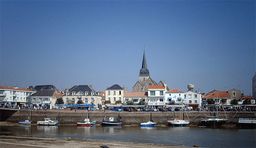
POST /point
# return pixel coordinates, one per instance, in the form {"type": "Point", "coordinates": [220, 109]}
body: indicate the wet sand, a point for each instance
{"type": "Point", "coordinates": [32, 142]}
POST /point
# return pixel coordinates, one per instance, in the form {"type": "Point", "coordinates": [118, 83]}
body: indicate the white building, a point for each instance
{"type": "Point", "coordinates": [174, 97]}
{"type": "Point", "coordinates": [45, 98]}
{"type": "Point", "coordinates": [14, 96]}
{"type": "Point", "coordinates": [189, 98]}
{"type": "Point", "coordinates": [114, 95]}
{"type": "Point", "coordinates": [156, 95]}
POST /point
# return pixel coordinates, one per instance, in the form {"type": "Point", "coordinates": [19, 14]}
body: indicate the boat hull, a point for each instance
{"type": "Point", "coordinates": [105, 123]}
{"type": "Point", "coordinates": [178, 123]}
{"type": "Point", "coordinates": [212, 123]}
{"type": "Point", "coordinates": [25, 122]}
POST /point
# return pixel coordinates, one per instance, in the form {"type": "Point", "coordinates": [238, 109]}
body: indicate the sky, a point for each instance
{"type": "Point", "coordinates": [209, 43]}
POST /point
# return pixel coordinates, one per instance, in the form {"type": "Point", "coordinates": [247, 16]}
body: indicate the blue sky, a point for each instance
{"type": "Point", "coordinates": [210, 43]}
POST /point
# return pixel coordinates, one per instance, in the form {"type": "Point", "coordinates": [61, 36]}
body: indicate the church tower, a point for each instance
{"type": "Point", "coordinates": [144, 72]}
{"type": "Point", "coordinates": [144, 77]}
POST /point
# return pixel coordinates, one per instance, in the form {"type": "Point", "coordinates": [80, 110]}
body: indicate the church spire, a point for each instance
{"type": "Point", "coordinates": [144, 70]}
{"type": "Point", "coordinates": [144, 62]}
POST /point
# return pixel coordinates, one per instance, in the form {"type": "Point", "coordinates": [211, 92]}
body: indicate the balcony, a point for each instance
{"type": "Point", "coordinates": [2, 95]}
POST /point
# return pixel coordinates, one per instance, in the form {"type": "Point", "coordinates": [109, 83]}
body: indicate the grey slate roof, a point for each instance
{"type": "Point", "coordinates": [81, 88]}
{"type": "Point", "coordinates": [48, 87]}
{"type": "Point", "coordinates": [115, 87]}
{"type": "Point", "coordinates": [44, 92]}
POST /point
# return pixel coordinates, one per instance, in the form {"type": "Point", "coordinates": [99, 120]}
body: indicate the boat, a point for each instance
{"type": "Point", "coordinates": [25, 122]}
{"type": "Point", "coordinates": [48, 122]}
{"type": "Point", "coordinates": [247, 122]}
{"type": "Point", "coordinates": [213, 121]}
{"type": "Point", "coordinates": [150, 123]}
{"type": "Point", "coordinates": [178, 122]}
{"type": "Point", "coordinates": [86, 123]}
{"type": "Point", "coordinates": [111, 121]}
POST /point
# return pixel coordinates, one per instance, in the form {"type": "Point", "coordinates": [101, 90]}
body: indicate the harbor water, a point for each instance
{"type": "Point", "coordinates": [187, 136]}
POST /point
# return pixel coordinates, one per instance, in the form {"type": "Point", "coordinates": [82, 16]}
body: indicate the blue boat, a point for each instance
{"type": "Point", "coordinates": [148, 124]}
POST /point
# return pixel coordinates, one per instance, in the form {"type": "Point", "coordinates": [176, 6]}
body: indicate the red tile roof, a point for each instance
{"type": "Point", "coordinates": [175, 91]}
{"type": "Point", "coordinates": [247, 97]}
{"type": "Point", "coordinates": [14, 88]}
{"type": "Point", "coordinates": [156, 87]}
{"type": "Point", "coordinates": [216, 94]}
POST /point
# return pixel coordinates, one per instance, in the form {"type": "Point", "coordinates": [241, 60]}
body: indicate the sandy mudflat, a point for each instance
{"type": "Point", "coordinates": [31, 142]}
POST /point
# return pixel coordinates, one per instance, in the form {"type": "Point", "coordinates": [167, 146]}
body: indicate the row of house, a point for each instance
{"type": "Point", "coordinates": [155, 96]}
{"type": "Point", "coordinates": [145, 91]}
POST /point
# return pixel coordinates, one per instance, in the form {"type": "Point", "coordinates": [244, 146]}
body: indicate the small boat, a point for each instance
{"type": "Point", "coordinates": [247, 122]}
{"type": "Point", "coordinates": [48, 122]}
{"type": "Point", "coordinates": [86, 123]}
{"type": "Point", "coordinates": [25, 122]}
{"type": "Point", "coordinates": [111, 121]}
{"type": "Point", "coordinates": [148, 124]}
{"type": "Point", "coordinates": [178, 122]}
{"type": "Point", "coordinates": [213, 121]}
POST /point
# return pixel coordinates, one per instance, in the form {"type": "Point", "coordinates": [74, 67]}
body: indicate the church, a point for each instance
{"type": "Point", "coordinates": [144, 78]}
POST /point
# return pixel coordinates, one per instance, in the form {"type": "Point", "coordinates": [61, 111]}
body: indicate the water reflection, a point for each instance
{"type": "Point", "coordinates": [48, 130]}
{"type": "Point", "coordinates": [111, 129]}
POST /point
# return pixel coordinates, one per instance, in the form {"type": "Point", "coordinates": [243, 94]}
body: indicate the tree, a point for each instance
{"type": "Point", "coordinates": [129, 103]}
{"type": "Point", "coordinates": [59, 101]}
{"type": "Point", "coordinates": [80, 102]}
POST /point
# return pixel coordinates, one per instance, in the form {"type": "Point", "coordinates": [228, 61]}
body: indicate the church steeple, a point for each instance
{"type": "Point", "coordinates": [144, 72]}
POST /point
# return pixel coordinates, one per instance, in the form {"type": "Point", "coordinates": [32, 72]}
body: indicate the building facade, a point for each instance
{"type": "Point", "coordinates": [114, 95]}
{"type": "Point", "coordinates": [156, 96]}
{"type": "Point", "coordinates": [174, 97]}
{"type": "Point", "coordinates": [45, 97]}
{"type": "Point", "coordinates": [144, 78]}
{"type": "Point", "coordinates": [82, 94]}
{"type": "Point", "coordinates": [14, 96]}
{"type": "Point", "coordinates": [135, 98]}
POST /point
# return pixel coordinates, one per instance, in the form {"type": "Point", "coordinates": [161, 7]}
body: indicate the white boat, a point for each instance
{"type": "Point", "coordinates": [25, 122]}
{"type": "Point", "coordinates": [86, 123]}
{"type": "Point", "coordinates": [178, 122]}
{"type": "Point", "coordinates": [111, 121]}
{"type": "Point", "coordinates": [48, 122]}
{"type": "Point", "coordinates": [247, 122]}
{"type": "Point", "coordinates": [148, 124]}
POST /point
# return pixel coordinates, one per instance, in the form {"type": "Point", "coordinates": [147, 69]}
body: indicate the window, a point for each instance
{"type": "Point", "coordinates": [196, 101]}
{"type": "Point", "coordinates": [190, 101]}
{"type": "Point", "coordinates": [185, 96]}
{"type": "Point", "coordinates": [170, 94]}
{"type": "Point", "coordinates": [85, 100]}
{"type": "Point", "coordinates": [114, 98]}
{"type": "Point", "coordinates": [161, 99]}
{"type": "Point", "coordinates": [120, 92]}
{"type": "Point", "coordinates": [114, 92]}
{"type": "Point", "coordinates": [195, 95]}
{"type": "Point", "coordinates": [170, 99]}
{"type": "Point", "coordinates": [161, 93]}
{"type": "Point", "coordinates": [152, 93]}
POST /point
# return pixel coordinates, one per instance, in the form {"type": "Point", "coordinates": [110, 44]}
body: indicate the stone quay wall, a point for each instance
{"type": "Point", "coordinates": [128, 118]}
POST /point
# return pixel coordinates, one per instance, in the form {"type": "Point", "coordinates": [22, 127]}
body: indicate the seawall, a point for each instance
{"type": "Point", "coordinates": [129, 118]}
